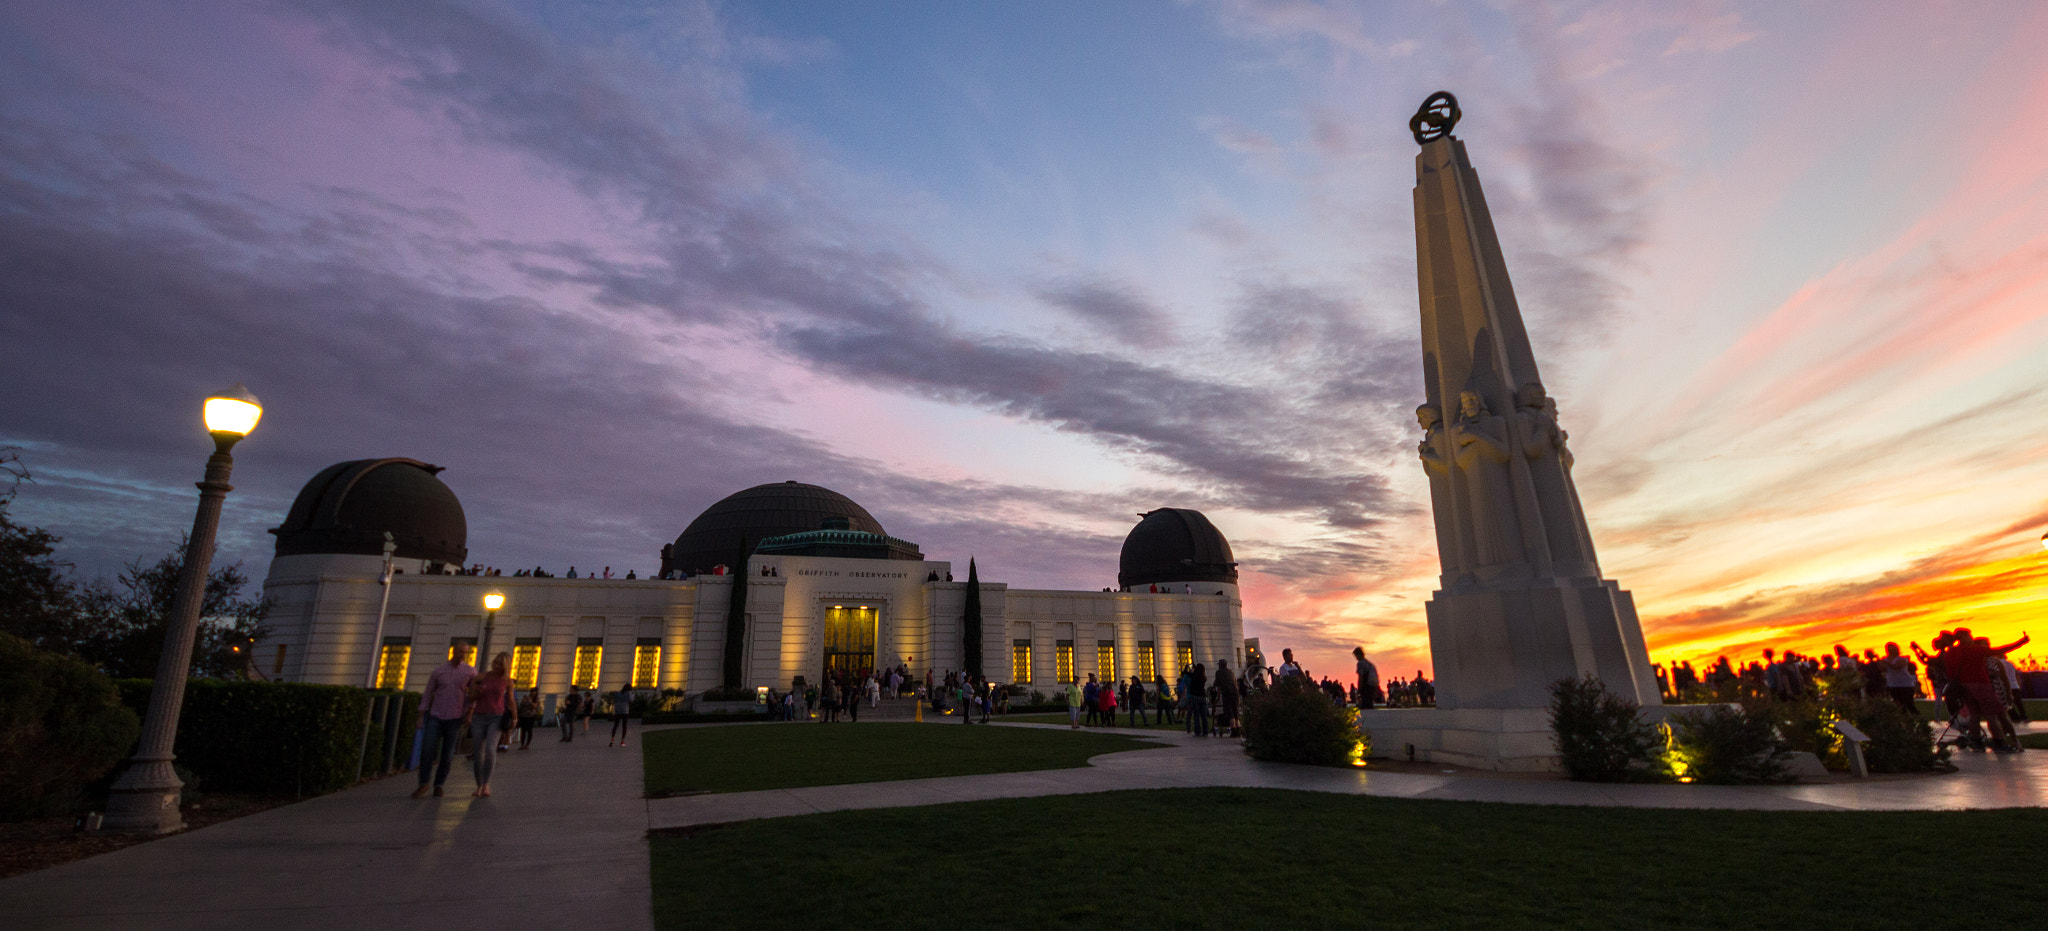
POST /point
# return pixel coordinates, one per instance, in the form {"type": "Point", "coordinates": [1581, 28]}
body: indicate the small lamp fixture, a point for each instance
{"type": "Point", "coordinates": [231, 414]}
{"type": "Point", "coordinates": [2044, 539]}
{"type": "Point", "coordinates": [493, 601]}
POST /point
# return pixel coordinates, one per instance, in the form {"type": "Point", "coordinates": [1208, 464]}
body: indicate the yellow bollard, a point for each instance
{"type": "Point", "coordinates": [920, 712]}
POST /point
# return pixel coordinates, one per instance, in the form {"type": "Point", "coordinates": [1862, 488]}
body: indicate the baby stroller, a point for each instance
{"type": "Point", "coordinates": [1969, 732]}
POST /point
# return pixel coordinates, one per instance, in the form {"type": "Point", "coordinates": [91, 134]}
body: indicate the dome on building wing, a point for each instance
{"type": "Point", "coordinates": [741, 520]}
{"type": "Point", "coordinates": [1175, 545]}
{"type": "Point", "coordinates": [349, 506]}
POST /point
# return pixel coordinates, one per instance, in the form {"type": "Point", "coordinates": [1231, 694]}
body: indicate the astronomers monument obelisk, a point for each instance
{"type": "Point", "coordinates": [1521, 602]}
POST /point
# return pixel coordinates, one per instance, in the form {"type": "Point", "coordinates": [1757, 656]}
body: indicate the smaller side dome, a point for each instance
{"type": "Point", "coordinates": [349, 506]}
{"type": "Point", "coordinates": [1175, 545]}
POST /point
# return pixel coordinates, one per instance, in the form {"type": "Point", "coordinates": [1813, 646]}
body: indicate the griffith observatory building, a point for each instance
{"type": "Point", "coordinates": [826, 588]}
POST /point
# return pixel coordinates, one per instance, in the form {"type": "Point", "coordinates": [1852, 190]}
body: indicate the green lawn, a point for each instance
{"type": "Point", "coordinates": [1061, 718]}
{"type": "Point", "coordinates": [743, 759]}
{"type": "Point", "coordinates": [1239, 858]}
{"type": "Point", "coordinates": [2034, 741]}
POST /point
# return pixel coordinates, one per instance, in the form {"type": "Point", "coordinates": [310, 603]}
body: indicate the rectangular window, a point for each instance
{"type": "Point", "coordinates": [526, 662]}
{"type": "Point", "coordinates": [1020, 661]}
{"type": "Point", "coordinates": [1187, 656]}
{"type": "Point", "coordinates": [1063, 656]}
{"type": "Point", "coordinates": [647, 663]}
{"type": "Point", "coordinates": [452, 641]}
{"type": "Point", "coordinates": [391, 662]}
{"type": "Point", "coordinates": [1105, 660]}
{"type": "Point", "coordinates": [1148, 667]}
{"type": "Point", "coordinates": [589, 652]}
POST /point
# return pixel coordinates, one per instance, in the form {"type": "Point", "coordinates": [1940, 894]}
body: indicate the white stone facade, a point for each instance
{"type": "Point", "coordinates": [322, 625]}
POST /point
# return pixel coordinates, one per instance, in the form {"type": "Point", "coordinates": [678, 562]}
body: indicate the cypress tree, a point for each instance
{"type": "Point", "coordinates": [970, 620]}
{"type": "Point", "coordinates": [736, 621]}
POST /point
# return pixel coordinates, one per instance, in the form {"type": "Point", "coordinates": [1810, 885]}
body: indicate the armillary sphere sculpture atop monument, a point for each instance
{"type": "Point", "coordinates": [1521, 601]}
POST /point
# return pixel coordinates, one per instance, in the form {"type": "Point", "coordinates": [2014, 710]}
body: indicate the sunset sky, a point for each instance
{"type": "Point", "coordinates": [1010, 273]}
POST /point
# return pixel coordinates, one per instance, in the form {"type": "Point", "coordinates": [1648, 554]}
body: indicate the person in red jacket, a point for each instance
{"type": "Point", "coordinates": [1968, 662]}
{"type": "Point", "coordinates": [1106, 701]}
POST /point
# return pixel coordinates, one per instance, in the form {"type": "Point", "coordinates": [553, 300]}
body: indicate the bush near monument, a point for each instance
{"type": "Point", "coordinates": [1295, 722]}
{"type": "Point", "coordinates": [1601, 736]}
{"type": "Point", "coordinates": [1726, 745]}
{"type": "Point", "coordinates": [277, 738]}
{"type": "Point", "coordinates": [62, 726]}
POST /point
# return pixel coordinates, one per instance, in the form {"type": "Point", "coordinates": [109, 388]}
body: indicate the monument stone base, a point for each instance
{"type": "Point", "coordinates": [1501, 646]}
{"type": "Point", "coordinates": [1509, 740]}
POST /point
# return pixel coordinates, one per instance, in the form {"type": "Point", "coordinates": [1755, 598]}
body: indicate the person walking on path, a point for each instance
{"type": "Point", "coordinates": [565, 714]}
{"type": "Point", "coordinates": [622, 712]}
{"type": "Point", "coordinates": [1368, 680]}
{"type": "Point", "coordinates": [443, 706]}
{"type": "Point", "coordinates": [1092, 700]}
{"type": "Point", "coordinates": [529, 715]}
{"type": "Point", "coordinates": [1107, 697]}
{"type": "Point", "coordinates": [587, 708]}
{"type": "Point", "coordinates": [1074, 699]}
{"type": "Point", "coordinates": [1163, 697]}
{"type": "Point", "coordinates": [490, 702]}
{"type": "Point", "coordinates": [1198, 701]}
{"type": "Point", "coordinates": [1226, 699]}
{"type": "Point", "coordinates": [831, 701]}
{"type": "Point", "coordinates": [1134, 699]}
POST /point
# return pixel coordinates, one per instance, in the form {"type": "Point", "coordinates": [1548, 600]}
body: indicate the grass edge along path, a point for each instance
{"type": "Point", "coordinates": [747, 759]}
{"type": "Point", "coordinates": [1234, 858]}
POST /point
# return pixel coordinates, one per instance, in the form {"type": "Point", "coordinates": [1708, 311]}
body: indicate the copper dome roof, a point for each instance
{"type": "Point", "coordinates": [1175, 545]}
{"type": "Point", "coordinates": [349, 506]}
{"type": "Point", "coordinates": [741, 520]}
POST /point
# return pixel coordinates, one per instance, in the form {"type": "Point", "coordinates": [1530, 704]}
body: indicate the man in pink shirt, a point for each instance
{"type": "Point", "coordinates": [444, 707]}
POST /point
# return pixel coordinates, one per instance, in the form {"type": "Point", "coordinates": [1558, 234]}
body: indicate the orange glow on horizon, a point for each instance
{"type": "Point", "coordinates": [1999, 599]}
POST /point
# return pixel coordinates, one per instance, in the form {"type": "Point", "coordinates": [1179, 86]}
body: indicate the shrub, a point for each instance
{"type": "Point", "coordinates": [278, 738]}
{"type": "Point", "coordinates": [1295, 722]}
{"type": "Point", "coordinates": [62, 726]}
{"type": "Point", "coordinates": [1728, 745]}
{"type": "Point", "coordinates": [1899, 742]}
{"type": "Point", "coordinates": [1601, 736]}
{"type": "Point", "coordinates": [722, 693]}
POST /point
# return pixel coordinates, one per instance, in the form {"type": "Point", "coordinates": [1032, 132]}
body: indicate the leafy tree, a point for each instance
{"type": "Point", "coordinates": [36, 602]}
{"type": "Point", "coordinates": [126, 620]}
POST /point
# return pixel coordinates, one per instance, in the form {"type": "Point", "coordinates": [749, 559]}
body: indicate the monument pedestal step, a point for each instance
{"type": "Point", "coordinates": [1511, 740]}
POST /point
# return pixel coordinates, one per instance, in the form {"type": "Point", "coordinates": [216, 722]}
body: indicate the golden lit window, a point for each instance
{"type": "Point", "coordinates": [1187, 656]}
{"type": "Point", "coordinates": [391, 664]}
{"type": "Point", "coordinates": [647, 665]}
{"type": "Point", "coordinates": [1020, 661]}
{"type": "Point", "coordinates": [1148, 667]}
{"type": "Point", "coordinates": [526, 662]}
{"type": "Point", "coordinates": [1063, 656]}
{"type": "Point", "coordinates": [1105, 660]}
{"type": "Point", "coordinates": [588, 655]}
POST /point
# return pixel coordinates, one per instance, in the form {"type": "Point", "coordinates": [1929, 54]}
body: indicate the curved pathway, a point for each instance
{"type": "Point", "coordinates": [1986, 781]}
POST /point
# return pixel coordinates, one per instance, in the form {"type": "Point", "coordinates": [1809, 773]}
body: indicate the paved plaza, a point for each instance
{"type": "Point", "coordinates": [562, 843]}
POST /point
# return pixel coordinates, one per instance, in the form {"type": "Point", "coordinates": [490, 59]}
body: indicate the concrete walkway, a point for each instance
{"type": "Point", "coordinates": [560, 844]}
{"type": "Point", "coordinates": [1986, 781]}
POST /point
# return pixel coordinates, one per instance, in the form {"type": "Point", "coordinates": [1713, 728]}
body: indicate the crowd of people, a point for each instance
{"type": "Point", "coordinates": [1978, 684]}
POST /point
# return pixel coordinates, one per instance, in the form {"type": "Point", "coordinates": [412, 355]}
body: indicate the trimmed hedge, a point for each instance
{"type": "Point", "coordinates": [62, 727]}
{"type": "Point", "coordinates": [274, 738]}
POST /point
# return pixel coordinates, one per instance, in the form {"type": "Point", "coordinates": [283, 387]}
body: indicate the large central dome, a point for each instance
{"type": "Point", "coordinates": [736, 524]}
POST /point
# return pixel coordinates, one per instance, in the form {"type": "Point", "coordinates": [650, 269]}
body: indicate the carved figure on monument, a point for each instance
{"type": "Point", "coordinates": [1550, 465]}
{"type": "Point", "coordinates": [1479, 440]}
{"type": "Point", "coordinates": [1439, 462]}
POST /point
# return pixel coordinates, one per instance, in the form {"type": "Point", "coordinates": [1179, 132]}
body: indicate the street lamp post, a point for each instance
{"type": "Point", "coordinates": [145, 798]}
{"type": "Point", "coordinates": [377, 634]}
{"type": "Point", "coordinates": [492, 602]}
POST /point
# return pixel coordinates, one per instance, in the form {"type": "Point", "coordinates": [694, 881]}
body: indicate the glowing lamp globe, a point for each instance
{"type": "Point", "coordinates": [2044, 539]}
{"type": "Point", "coordinates": [493, 601]}
{"type": "Point", "coordinates": [233, 412]}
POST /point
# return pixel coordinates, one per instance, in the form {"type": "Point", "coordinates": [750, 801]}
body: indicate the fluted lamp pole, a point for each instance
{"type": "Point", "coordinates": [492, 602]}
{"type": "Point", "coordinates": [145, 799]}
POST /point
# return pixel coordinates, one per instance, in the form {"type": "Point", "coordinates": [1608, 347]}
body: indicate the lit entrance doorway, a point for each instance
{"type": "Point", "coordinates": [850, 639]}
